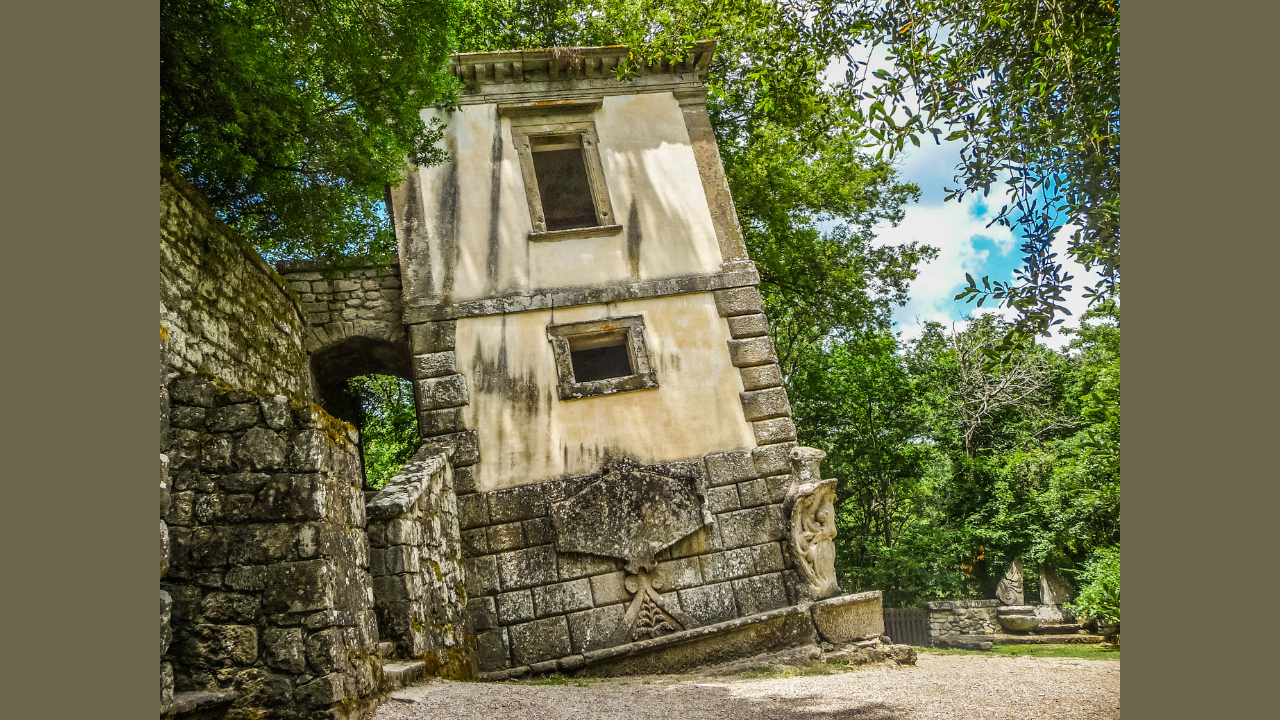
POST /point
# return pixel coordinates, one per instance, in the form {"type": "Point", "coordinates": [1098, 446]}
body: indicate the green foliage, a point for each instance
{"type": "Point", "coordinates": [1032, 88]}
{"type": "Point", "coordinates": [1100, 592]}
{"type": "Point", "coordinates": [292, 117]}
{"type": "Point", "coordinates": [389, 425]}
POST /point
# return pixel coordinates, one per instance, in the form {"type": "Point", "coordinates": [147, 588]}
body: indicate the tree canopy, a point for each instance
{"type": "Point", "coordinates": [292, 117]}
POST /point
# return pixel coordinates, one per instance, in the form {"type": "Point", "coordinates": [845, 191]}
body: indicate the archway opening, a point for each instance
{"type": "Point", "coordinates": [366, 382]}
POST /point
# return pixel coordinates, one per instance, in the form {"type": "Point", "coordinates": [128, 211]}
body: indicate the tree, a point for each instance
{"type": "Point", "coordinates": [1032, 87]}
{"type": "Point", "coordinates": [292, 117]}
{"type": "Point", "coordinates": [388, 425]}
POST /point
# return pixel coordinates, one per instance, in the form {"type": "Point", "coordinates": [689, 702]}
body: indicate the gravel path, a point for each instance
{"type": "Point", "coordinates": [940, 686]}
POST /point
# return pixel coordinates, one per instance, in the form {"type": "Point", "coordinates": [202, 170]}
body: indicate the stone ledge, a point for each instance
{"type": "Point", "coordinates": [737, 275]}
{"type": "Point", "coordinates": [961, 604]}
{"type": "Point", "coordinates": [402, 491]}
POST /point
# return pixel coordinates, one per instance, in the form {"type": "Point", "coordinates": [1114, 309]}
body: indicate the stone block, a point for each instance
{"type": "Point", "coordinates": [166, 688]}
{"type": "Point", "coordinates": [483, 613]}
{"type": "Point", "coordinates": [207, 509]}
{"type": "Point", "coordinates": [515, 607]}
{"type": "Point", "coordinates": [436, 393]}
{"type": "Point", "coordinates": [753, 526]}
{"type": "Point", "coordinates": [326, 652]}
{"type": "Point", "coordinates": [188, 417]}
{"type": "Point", "coordinates": [746, 326]}
{"type": "Point", "coordinates": [727, 468]}
{"type": "Point", "coordinates": [284, 649]}
{"type": "Point", "coordinates": [540, 640]}
{"type": "Point", "coordinates": [275, 411]}
{"type": "Point", "coordinates": [750, 352]}
{"type": "Point", "coordinates": [765, 404]}
{"type": "Point", "coordinates": [164, 548]}
{"type": "Point", "coordinates": [768, 558]}
{"type": "Point", "coordinates": [291, 497]}
{"type": "Point", "coordinates": [561, 598]}
{"type": "Point", "coordinates": [680, 574]}
{"type": "Point", "coordinates": [517, 503]}
{"type": "Point", "coordinates": [209, 646]}
{"type": "Point", "coordinates": [299, 587]}
{"type": "Point", "coordinates": [230, 608]}
{"type": "Point", "coordinates": [847, 618]}
{"type": "Point", "coordinates": [246, 578]}
{"type": "Point", "coordinates": [192, 390]}
{"type": "Point", "coordinates": [473, 511]}
{"type": "Point", "coordinates": [257, 688]}
{"type": "Point", "coordinates": [243, 482]}
{"type": "Point", "coordinates": [760, 593]}
{"type": "Point", "coordinates": [397, 588]}
{"type": "Point", "coordinates": [482, 576]}
{"type": "Point", "coordinates": [440, 422]}
{"type": "Point", "coordinates": [752, 493]}
{"type": "Point", "coordinates": [739, 301]}
{"type": "Point", "coordinates": [709, 604]}
{"type": "Point", "coordinates": [308, 451]}
{"type": "Point", "coordinates": [433, 365]}
{"type": "Point", "coordinates": [396, 531]}
{"type": "Point", "coordinates": [577, 565]}
{"type": "Point", "coordinates": [465, 445]}
{"type": "Point", "coordinates": [723, 499]}
{"type": "Point", "coordinates": [492, 649]}
{"type": "Point", "coordinates": [773, 431]}
{"type": "Point", "coordinates": [591, 629]}
{"type": "Point", "coordinates": [539, 531]}
{"type": "Point", "coordinates": [166, 626]}
{"type": "Point", "coordinates": [183, 449]}
{"type": "Point", "coordinates": [775, 488]}
{"type": "Point", "coordinates": [260, 449]}
{"type": "Point", "coordinates": [609, 589]}
{"type": "Point", "coordinates": [474, 543]}
{"type": "Point", "coordinates": [727, 565]}
{"type": "Point", "coordinates": [505, 537]}
{"type": "Point", "coordinates": [432, 337]}
{"type": "Point", "coordinates": [700, 542]}
{"type": "Point", "coordinates": [233, 417]}
{"type": "Point", "coordinates": [215, 453]}
{"type": "Point", "coordinates": [206, 548]}
{"type": "Point", "coordinates": [773, 459]}
{"type": "Point", "coordinates": [394, 560]}
{"type": "Point", "coordinates": [322, 691]}
{"type": "Point", "coordinates": [527, 568]}
{"type": "Point", "coordinates": [464, 479]}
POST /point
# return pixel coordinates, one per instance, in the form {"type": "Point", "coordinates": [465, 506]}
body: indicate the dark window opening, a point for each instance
{"type": "Point", "coordinates": [562, 182]}
{"type": "Point", "coordinates": [600, 357]}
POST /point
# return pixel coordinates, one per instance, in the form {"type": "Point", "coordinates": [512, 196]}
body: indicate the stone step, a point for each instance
{"type": "Point", "coordinates": [1076, 639]}
{"type": "Point", "coordinates": [1059, 629]}
{"type": "Point", "coordinates": [384, 649]}
{"type": "Point", "coordinates": [396, 675]}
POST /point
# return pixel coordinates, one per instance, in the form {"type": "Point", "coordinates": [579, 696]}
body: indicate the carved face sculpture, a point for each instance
{"type": "Point", "coordinates": [813, 528]}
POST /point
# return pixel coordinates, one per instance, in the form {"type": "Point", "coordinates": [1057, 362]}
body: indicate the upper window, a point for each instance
{"type": "Point", "coordinates": [563, 178]}
{"type": "Point", "coordinates": [601, 357]}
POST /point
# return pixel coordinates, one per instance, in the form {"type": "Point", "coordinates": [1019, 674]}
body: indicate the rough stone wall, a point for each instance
{"type": "Point", "coordinates": [272, 599]}
{"type": "Point", "coordinates": [531, 604]}
{"type": "Point", "coordinates": [338, 305]}
{"type": "Point", "coordinates": [416, 563]}
{"type": "Point", "coordinates": [226, 312]}
{"type": "Point", "coordinates": [963, 617]}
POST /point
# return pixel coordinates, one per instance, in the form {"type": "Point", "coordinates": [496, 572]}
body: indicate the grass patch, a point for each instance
{"type": "Point", "coordinates": [1101, 651]}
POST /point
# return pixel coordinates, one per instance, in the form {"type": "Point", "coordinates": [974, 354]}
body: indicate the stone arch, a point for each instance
{"type": "Point", "coordinates": [336, 364]}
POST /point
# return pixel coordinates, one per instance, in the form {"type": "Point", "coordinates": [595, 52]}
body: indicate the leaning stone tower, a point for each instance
{"type": "Point", "coordinates": [587, 336]}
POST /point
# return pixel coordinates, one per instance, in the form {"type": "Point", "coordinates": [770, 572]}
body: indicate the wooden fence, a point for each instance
{"type": "Point", "coordinates": [907, 626]}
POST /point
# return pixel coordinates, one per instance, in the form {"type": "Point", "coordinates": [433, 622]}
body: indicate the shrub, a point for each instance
{"type": "Point", "coordinates": [1100, 592]}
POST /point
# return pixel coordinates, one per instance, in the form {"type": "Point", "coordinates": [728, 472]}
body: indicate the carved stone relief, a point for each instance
{"type": "Point", "coordinates": [1009, 591]}
{"type": "Point", "coordinates": [810, 509]}
{"type": "Point", "coordinates": [647, 617]}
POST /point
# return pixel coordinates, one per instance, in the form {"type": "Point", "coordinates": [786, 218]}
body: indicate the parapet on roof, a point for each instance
{"type": "Point", "coordinates": [569, 72]}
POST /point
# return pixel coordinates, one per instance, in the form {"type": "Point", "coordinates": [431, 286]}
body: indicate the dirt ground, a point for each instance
{"type": "Point", "coordinates": [939, 686]}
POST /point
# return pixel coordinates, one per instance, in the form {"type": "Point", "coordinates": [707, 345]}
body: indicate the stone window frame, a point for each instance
{"type": "Point", "coordinates": [561, 117]}
{"type": "Point", "coordinates": [642, 378]}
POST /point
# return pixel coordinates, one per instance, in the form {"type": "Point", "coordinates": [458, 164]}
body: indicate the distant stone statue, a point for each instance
{"type": "Point", "coordinates": [1054, 588]}
{"type": "Point", "coordinates": [1009, 591]}
{"type": "Point", "coordinates": [810, 510]}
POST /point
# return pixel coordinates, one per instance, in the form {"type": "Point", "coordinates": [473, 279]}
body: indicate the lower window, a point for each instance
{"type": "Point", "coordinates": [601, 357]}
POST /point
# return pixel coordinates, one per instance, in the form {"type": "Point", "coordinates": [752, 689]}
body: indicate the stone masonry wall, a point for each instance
{"type": "Point", "coordinates": [272, 602]}
{"type": "Point", "coordinates": [416, 563]}
{"type": "Point", "coordinates": [963, 617]}
{"type": "Point", "coordinates": [363, 302]}
{"type": "Point", "coordinates": [226, 312]}
{"type": "Point", "coordinates": [531, 604]}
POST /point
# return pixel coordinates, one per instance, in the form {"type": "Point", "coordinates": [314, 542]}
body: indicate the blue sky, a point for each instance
{"type": "Point", "coordinates": [965, 243]}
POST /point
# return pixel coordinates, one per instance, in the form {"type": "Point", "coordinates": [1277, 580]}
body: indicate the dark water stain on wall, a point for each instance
{"type": "Point", "coordinates": [415, 227]}
{"type": "Point", "coordinates": [447, 221]}
{"type": "Point", "coordinates": [633, 240]}
{"type": "Point", "coordinates": [495, 206]}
